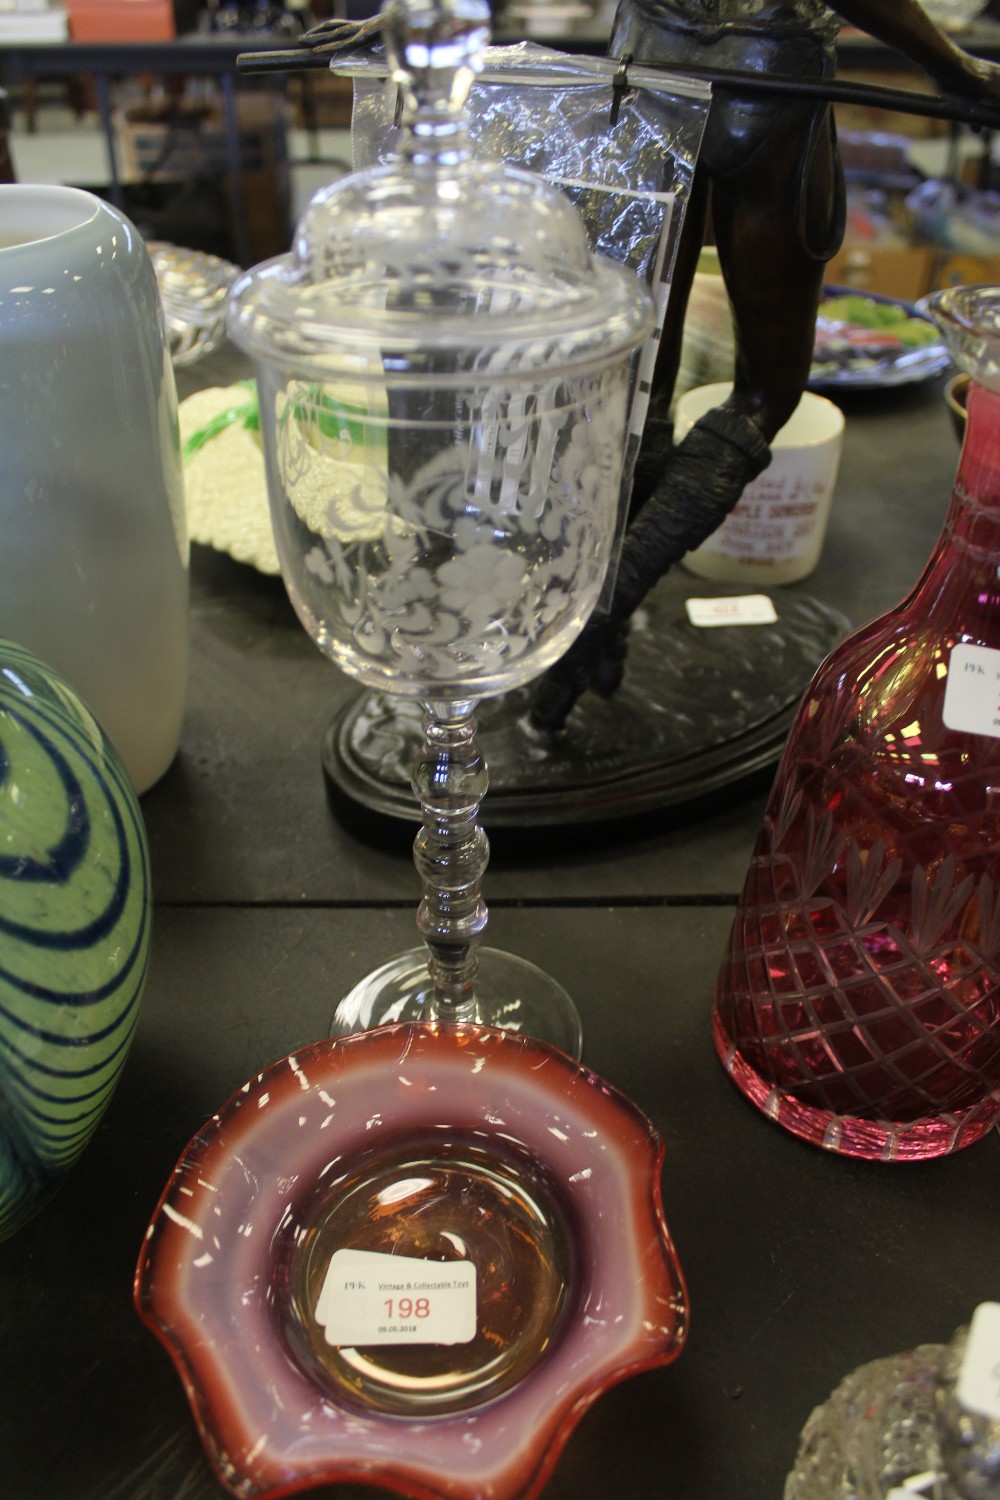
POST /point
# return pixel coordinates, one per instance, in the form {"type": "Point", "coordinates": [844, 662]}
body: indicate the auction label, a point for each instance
{"type": "Point", "coordinates": [732, 609]}
{"type": "Point", "coordinates": [978, 1388]}
{"type": "Point", "coordinates": [370, 1298]}
{"type": "Point", "coordinates": [972, 692]}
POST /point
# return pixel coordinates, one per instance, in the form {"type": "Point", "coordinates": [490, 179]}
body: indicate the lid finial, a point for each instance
{"type": "Point", "coordinates": [436, 50]}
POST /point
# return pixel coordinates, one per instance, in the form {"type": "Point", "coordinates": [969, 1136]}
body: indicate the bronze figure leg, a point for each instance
{"type": "Point", "coordinates": [776, 220]}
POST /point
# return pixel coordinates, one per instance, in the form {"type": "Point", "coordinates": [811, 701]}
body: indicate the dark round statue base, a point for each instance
{"type": "Point", "coordinates": [700, 709]}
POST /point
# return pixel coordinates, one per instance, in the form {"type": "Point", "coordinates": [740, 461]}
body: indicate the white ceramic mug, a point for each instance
{"type": "Point", "coordinates": [93, 540]}
{"type": "Point", "coordinates": [708, 344]}
{"type": "Point", "coordinates": [775, 533]}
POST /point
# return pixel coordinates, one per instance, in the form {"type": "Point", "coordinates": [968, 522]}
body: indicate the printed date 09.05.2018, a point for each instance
{"type": "Point", "coordinates": [397, 1328]}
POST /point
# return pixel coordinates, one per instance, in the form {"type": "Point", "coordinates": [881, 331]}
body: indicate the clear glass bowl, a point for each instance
{"type": "Point", "coordinates": [193, 289]}
{"type": "Point", "coordinates": [898, 1426]}
{"type": "Point", "coordinates": [451, 1144]}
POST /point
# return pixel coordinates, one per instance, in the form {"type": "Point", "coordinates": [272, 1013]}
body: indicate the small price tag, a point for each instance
{"type": "Point", "coordinates": [972, 691]}
{"type": "Point", "coordinates": [918, 1484]}
{"type": "Point", "coordinates": [369, 1298]}
{"type": "Point", "coordinates": [978, 1388]}
{"type": "Point", "coordinates": [740, 609]}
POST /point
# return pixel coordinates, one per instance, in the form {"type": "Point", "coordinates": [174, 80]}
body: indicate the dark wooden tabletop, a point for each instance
{"type": "Point", "coordinates": [800, 1265]}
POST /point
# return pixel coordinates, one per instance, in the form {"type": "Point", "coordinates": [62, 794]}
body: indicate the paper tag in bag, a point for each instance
{"type": "Point", "coordinates": [978, 1388]}
{"type": "Point", "coordinates": [738, 609]}
{"type": "Point", "coordinates": [370, 1298]}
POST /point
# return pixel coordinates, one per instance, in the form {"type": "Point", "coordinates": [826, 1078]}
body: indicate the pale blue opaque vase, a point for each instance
{"type": "Point", "coordinates": [93, 562]}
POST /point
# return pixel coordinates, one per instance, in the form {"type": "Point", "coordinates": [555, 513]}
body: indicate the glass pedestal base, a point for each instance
{"type": "Point", "coordinates": [510, 993]}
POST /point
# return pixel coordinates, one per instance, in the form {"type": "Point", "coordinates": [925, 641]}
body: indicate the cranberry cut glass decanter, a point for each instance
{"type": "Point", "coordinates": [444, 371]}
{"type": "Point", "coordinates": [858, 1004]}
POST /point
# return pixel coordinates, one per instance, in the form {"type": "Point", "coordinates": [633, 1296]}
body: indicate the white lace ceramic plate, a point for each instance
{"type": "Point", "coordinates": [224, 479]}
{"type": "Point", "coordinates": [226, 486]}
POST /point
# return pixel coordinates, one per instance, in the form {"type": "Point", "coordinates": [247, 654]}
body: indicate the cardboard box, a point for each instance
{"type": "Point", "coordinates": [165, 141]}
{"type": "Point", "coordinates": [904, 273]}
{"type": "Point", "coordinates": [267, 213]}
{"type": "Point", "coordinates": [121, 20]}
{"type": "Point", "coordinates": [321, 100]}
{"type": "Point", "coordinates": [180, 142]}
{"type": "Point", "coordinates": [866, 117]}
{"type": "Point", "coordinates": [952, 268]}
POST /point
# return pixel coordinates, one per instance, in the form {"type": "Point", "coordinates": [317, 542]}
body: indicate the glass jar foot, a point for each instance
{"type": "Point", "coordinates": [510, 992]}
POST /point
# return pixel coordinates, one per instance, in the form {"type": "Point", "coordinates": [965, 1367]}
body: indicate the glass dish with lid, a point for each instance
{"type": "Point", "coordinates": [444, 369]}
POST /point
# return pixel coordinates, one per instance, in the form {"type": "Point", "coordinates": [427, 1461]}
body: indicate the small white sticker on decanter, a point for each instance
{"type": "Point", "coordinates": [972, 692]}
{"type": "Point", "coordinates": [370, 1298]}
{"type": "Point", "coordinates": [978, 1388]}
{"type": "Point", "coordinates": [737, 609]}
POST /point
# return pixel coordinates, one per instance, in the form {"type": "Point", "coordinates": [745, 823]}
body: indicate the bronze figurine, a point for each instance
{"type": "Point", "coordinates": [770, 175]}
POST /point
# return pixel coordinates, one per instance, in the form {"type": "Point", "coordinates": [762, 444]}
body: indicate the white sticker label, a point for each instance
{"type": "Point", "coordinates": [978, 1388]}
{"type": "Point", "coordinates": [919, 1484]}
{"type": "Point", "coordinates": [741, 609]}
{"type": "Point", "coordinates": [972, 692]}
{"type": "Point", "coordinates": [369, 1298]}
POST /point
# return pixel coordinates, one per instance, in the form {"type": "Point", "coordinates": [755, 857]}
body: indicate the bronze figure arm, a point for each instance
{"type": "Point", "coordinates": [906, 26]}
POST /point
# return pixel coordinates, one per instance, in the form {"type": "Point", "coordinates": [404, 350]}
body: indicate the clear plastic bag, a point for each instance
{"type": "Point", "coordinates": [622, 144]}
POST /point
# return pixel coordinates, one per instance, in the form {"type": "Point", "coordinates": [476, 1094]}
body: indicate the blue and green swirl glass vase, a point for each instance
{"type": "Point", "coordinates": [75, 914]}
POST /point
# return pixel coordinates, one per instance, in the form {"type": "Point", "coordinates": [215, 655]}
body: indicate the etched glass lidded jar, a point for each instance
{"type": "Point", "coordinates": [444, 370]}
{"type": "Point", "coordinates": [443, 367]}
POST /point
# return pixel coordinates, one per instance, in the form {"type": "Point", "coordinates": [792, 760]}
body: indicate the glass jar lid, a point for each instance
{"type": "Point", "coordinates": [438, 267]}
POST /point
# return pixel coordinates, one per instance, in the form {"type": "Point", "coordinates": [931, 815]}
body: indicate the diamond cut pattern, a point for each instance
{"type": "Point", "coordinates": [857, 1021]}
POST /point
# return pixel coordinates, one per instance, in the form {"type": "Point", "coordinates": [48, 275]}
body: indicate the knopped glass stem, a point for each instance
{"type": "Point", "coordinates": [451, 852]}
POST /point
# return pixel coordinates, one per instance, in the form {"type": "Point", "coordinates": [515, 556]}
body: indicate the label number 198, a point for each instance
{"type": "Point", "coordinates": [407, 1307]}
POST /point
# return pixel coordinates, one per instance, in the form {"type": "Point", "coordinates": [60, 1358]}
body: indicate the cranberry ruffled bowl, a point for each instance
{"type": "Point", "coordinates": [309, 1265]}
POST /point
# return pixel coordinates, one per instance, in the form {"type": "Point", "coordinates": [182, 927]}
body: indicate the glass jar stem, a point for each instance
{"type": "Point", "coordinates": [451, 852]}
